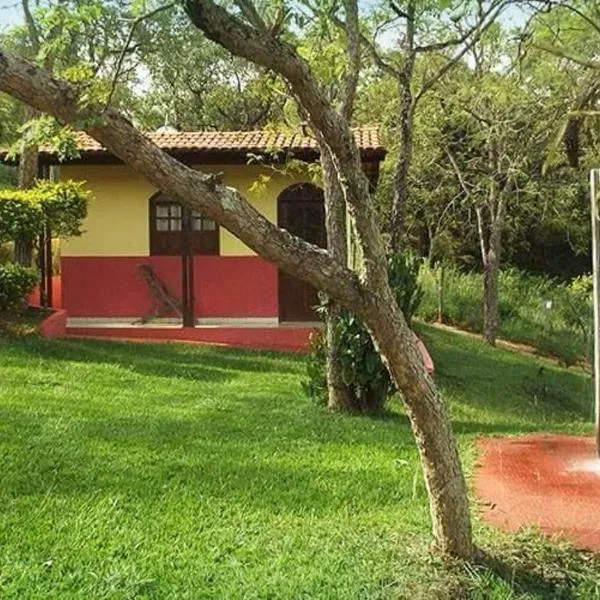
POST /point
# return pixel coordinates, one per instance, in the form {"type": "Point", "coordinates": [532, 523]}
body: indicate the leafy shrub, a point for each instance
{"type": "Point", "coordinates": [16, 283]}
{"type": "Point", "coordinates": [24, 213]}
{"type": "Point", "coordinates": [403, 275]}
{"type": "Point", "coordinates": [361, 365]}
{"type": "Point", "coordinates": [20, 216]}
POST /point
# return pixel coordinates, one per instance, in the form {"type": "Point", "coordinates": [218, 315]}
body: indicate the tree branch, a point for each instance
{"type": "Point", "coordinates": [401, 13]}
{"type": "Point", "coordinates": [194, 188]}
{"type": "Point", "coordinates": [547, 5]}
{"type": "Point", "coordinates": [134, 25]}
{"type": "Point", "coordinates": [31, 27]}
{"type": "Point", "coordinates": [331, 127]}
{"type": "Point", "coordinates": [437, 46]}
{"type": "Point", "coordinates": [353, 52]}
{"type": "Point", "coordinates": [250, 13]}
{"type": "Point", "coordinates": [561, 52]}
{"type": "Point", "coordinates": [243, 40]}
{"type": "Point", "coordinates": [486, 20]}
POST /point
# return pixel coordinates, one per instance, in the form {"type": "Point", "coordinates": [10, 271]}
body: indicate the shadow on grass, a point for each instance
{"type": "Point", "coordinates": [534, 567]}
{"type": "Point", "coordinates": [277, 465]}
{"type": "Point", "coordinates": [513, 391]}
{"type": "Point", "coordinates": [163, 360]}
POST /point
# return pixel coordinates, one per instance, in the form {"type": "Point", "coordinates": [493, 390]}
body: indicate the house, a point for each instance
{"type": "Point", "coordinates": [129, 273]}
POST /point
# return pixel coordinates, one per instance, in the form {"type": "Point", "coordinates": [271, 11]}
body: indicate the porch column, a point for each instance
{"type": "Point", "coordinates": [187, 271]}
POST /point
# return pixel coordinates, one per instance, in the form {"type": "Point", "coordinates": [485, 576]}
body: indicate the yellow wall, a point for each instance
{"type": "Point", "coordinates": [118, 223]}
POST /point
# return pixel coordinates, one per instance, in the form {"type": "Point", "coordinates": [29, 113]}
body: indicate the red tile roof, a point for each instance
{"type": "Point", "coordinates": [235, 143]}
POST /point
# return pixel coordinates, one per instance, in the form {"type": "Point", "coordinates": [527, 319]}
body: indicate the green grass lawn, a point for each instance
{"type": "Point", "coordinates": [180, 471]}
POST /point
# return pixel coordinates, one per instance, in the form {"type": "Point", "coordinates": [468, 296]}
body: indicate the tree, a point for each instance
{"type": "Point", "coordinates": [221, 92]}
{"type": "Point", "coordinates": [496, 136]}
{"type": "Point", "coordinates": [68, 37]}
{"type": "Point", "coordinates": [425, 30]}
{"type": "Point", "coordinates": [339, 64]}
{"type": "Point", "coordinates": [244, 32]}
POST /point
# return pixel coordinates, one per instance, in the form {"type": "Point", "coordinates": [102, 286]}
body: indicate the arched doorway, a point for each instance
{"type": "Point", "coordinates": [300, 210]}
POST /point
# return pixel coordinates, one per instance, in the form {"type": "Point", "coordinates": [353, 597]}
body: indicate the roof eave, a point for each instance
{"type": "Point", "coordinates": [100, 157]}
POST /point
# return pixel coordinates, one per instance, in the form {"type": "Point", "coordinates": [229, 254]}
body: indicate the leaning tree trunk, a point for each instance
{"type": "Point", "coordinates": [340, 396]}
{"type": "Point", "coordinates": [444, 481]}
{"type": "Point", "coordinates": [27, 172]}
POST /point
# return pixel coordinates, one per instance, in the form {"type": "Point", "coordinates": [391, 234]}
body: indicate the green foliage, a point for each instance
{"type": "Point", "coordinates": [403, 274]}
{"type": "Point", "coordinates": [64, 205]}
{"type": "Point", "coordinates": [21, 215]}
{"type": "Point", "coordinates": [361, 365]}
{"type": "Point", "coordinates": [555, 318]}
{"type": "Point", "coordinates": [60, 206]}
{"type": "Point", "coordinates": [16, 283]}
{"type": "Point", "coordinates": [45, 130]}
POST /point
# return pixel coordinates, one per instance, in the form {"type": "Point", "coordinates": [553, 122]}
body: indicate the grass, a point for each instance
{"type": "Point", "coordinates": [22, 323]}
{"type": "Point", "coordinates": [179, 471]}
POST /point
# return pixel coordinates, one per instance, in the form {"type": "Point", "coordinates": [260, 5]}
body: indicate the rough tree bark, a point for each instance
{"type": "Point", "coordinates": [339, 395]}
{"type": "Point", "coordinates": [367, 293]}
{"type": "Point", "coordinates": [490, 242]}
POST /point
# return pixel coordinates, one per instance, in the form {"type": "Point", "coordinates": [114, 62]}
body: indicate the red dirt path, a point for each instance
{"type": "Point", "coordinates": [543, 481]}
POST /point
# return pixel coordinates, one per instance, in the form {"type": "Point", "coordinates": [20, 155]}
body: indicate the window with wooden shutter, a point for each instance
{"type": "Point", "coordinates": [170, 222]}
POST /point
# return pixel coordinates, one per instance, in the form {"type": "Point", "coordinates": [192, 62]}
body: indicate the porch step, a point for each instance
{"type": "Point", "coordinates": [283, 338]}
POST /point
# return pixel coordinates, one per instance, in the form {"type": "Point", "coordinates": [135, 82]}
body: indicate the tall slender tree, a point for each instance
{"type": "Point", "coordinates": [423, 30]}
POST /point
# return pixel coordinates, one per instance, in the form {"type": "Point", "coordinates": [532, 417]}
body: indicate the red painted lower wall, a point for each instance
{"type": "Point", "coordinates": [224, 286]}
{"type": "Point", "coordinates": [235, 286]}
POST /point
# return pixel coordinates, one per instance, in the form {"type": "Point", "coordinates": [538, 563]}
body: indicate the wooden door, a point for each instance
{"type": "Point", "coordinates": [301, 211]}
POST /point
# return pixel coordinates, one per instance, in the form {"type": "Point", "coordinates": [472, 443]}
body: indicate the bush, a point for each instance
{"type": "Point", "coordinates": [16, 283]}
{"type": "Point", "coordinates": [553, 317]}
{"type": "Point", "coordinates": [361, 365]}
{"type": "Point", "coordinates": [62, 206]}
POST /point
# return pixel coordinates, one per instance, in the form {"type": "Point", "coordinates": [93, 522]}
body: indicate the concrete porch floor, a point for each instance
{"type": "Point", "coordinates": [267, 334]}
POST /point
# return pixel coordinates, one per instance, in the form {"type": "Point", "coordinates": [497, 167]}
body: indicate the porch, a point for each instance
{"type": "Point", "coordinates": [264, 334]}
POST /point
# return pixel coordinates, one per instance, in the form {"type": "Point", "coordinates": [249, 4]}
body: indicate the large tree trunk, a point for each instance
{"type": "Point", "coordinates": [367, 293]}
{"type": "Point", "coordinates": [431, 427]}
{"type": "Point", "coordinates": [27, 172]}
{"type": "Point", "coordinates": [339, 395]}
{"type": "Point", "coordinates": [490, 301]}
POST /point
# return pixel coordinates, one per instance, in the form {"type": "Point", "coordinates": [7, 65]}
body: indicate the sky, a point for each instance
{"type": "Point", "coordinates": [11, 14]}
